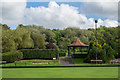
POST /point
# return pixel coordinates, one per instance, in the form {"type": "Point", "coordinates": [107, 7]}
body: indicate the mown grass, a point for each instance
{"type": "Point", "coordinates": [80, 61]}
{"type": "Point", "coordinates": [68, 72]}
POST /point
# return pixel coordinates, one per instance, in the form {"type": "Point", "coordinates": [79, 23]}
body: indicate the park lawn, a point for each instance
{"type": "Point", "coordinates": [80, 61]}
{"type": "Point", "coordinates": [29, 63]}
{"type": "Point", "coordinates": [68, 72]}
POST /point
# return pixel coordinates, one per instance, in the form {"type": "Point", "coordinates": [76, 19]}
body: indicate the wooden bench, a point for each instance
{"type": "Point", "coordinates": [97, 61]}
{"type": "Point", "coordinates": [115, 61]}
{"type": "Point", "coordinates": [20, 62]}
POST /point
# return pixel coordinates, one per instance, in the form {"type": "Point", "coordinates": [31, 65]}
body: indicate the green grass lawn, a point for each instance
{"type": "Point", "coordinates": [69, 72]}
{"type": "Point", "coordinates": [80, 61]}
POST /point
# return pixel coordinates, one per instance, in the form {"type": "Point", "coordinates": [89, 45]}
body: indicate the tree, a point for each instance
{"type": "Point", "coordinates": [92, 54]}
{"type": "Point", "coordinates": [22, 38]}
{"type": "Point", "coordinates": [95, 48]}
{"type": "Point", "coordinates": [5, 27]}
{"type": "Point", "coordinates": [51, 46]}
{"type": "Point", "coordinates": [109, 52]}
{"type": "Point", "coordinates": [49, 36]}
{"type": "Point", "coordinates": [8, 43]}
{"type": "Point", "coordinates": [39, 41]}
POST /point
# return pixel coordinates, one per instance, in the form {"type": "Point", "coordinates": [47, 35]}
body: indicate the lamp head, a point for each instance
{"type": "Point", "coordinates": [96, 21]}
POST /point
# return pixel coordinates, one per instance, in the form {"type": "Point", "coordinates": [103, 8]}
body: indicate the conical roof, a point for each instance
{"type": "Point", "coordinates": [77, 43]}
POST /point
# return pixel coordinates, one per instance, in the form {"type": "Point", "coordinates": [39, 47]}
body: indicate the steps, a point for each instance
{"type": "Point", "coordinates": [67, 60]}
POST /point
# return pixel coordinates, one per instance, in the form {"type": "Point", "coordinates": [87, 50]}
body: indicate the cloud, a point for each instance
{"type": "Point", "coordinates": [13, 12]}
{"type": "Point", "coordinates": [62, 16]}
{"type": "Point", "coordinates": [54, 16]}
{"type": "Point", "coordinates": [0, 11]}
{"type": "Point", "coordinates": [102, 9]}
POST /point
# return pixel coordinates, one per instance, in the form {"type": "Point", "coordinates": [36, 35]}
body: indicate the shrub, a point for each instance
{"type": "Point", "coordinates": [109, 52]}
{"type": "Point", "coordinates": [12, 56]}
{"type": "Point", "coordinates": [39, 53]}
{"type": "Point", "coordinates": [62, 54]}
{"type": "Point", "coordinates": [51, 46]}
{"type": "Point", "coordinates": [92, 54]}
{"type": "Point", "coordinates": [79, 55]}
{"type": "Point", "coordinates": [106, 54]}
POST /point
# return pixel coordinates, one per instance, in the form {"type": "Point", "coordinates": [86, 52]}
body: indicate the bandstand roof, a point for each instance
{"type": "Point", "coordinates": [77, 43]}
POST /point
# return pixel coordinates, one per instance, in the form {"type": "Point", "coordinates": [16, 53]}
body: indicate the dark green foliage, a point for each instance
{"type": "Point", "coordinates": [12, 56]}
{"type": "Point", "coordinates": [90, 46]}
{"type": "Point", "coordinates": [106, 53]}
{"type": "Point", "coordinates": [102, 55]}
{"type": "Point", "coordinates": [39, 53]}
{"type": "Point", "coordinates": [117, 55]}
{"type": "Point", "coordinates": [38, 39]}
{"type": "Point", "coordinates": [61, 54]}
{"type": "Point", "coordinates": [92, 54]}
{"type": "Point", "coordinates": [8, 43]}
{"type": "Point", "coordinates": [109, 52]}
{"type": "Point", "coordinates": [79, 55]}
{"type": "Point", "coordinates": [70, 34]}
{"type": "Point", "coordinates": [5, 27]}
{"type": "Point", "coordinates": [51, 46]}
{"type": "Point", "coordinates": [22, 38]}
{"type": "Point", "coordinates": [50, 36]}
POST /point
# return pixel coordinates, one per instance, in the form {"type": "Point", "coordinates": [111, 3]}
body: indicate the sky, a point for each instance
{"type": "Point", "coordinates": [59, 15]}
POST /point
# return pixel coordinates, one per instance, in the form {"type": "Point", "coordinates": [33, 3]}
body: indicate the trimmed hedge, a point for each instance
{"type": "Point", "coordinates": [12, 56]}
{"type": "Point", "coordinates": [62, 54]}
{"type": "Point", "coordinates": [79, 55]}
{"type": "Point", "coordinates": [39, 53]}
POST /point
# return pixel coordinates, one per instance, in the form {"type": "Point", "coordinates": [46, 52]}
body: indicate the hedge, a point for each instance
{"type": "Point", "coordinates": [12, 56]}
{"type": "Point", "coordinates": [39, 53]}
{"type": "Point", "coordinates": [62, 54]}
{"type": "Point", "coordinates": [79, 55]}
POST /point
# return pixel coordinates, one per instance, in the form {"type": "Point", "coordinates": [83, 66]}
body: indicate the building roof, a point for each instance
{"type": "Point", "coordinates": [77, 43]}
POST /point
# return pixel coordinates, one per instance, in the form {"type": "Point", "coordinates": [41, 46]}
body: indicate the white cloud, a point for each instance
{"type": "Point", "coordinates": [62, 16]}
{"type": "Point", "coordinates": [13, 12]}
{"type": "Point", "coordinates": [110, 23]}
{"type": "Point", "coordinates": [54, 16]}
{"type": "Point", "coordinates": [0, 11]}
{"type": "Point", "coordinates": [102, 9]}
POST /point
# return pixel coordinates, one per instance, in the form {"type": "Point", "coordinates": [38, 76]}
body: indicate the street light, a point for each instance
{"type": "Point", "coordinates": [96, 37]}
{"type": "Point", "coordinates": [96, 24]}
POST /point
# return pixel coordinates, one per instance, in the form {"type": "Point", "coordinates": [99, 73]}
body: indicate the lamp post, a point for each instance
{"type": "Point", "coordinates": [96, 37]}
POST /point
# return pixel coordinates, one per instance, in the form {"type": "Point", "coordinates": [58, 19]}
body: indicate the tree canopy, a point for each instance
{"type": "Point", "coordinates": [38, 37]}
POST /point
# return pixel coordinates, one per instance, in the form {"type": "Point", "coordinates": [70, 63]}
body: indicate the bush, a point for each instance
{"type": "Point", "coordinates": [39, 53]}
{"type": "Point", "coordinates": [109, 52]}
{"type": "Point", "coordinates": [79, 55]}
{"type": "Point", "coordinates": [51, 46]}
{"type": "Point", "coordinates": [62, 54]}
{"type": "Point", "coordinates": [92, 54]}
{"type": "Point", "coordinates": [106, 54]}
{"type": "Point", "coordinates": [12, 56]}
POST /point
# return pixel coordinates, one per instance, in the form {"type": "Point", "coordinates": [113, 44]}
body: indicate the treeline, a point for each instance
{"type": "Point", "coordinates": [37, 37]}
